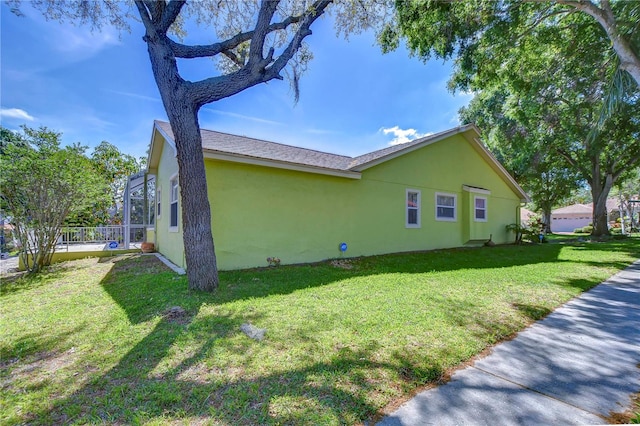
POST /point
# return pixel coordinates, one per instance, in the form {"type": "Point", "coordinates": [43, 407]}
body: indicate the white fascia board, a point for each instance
{"type": "Point", "coordinates": [428, 140]}
{"type": "Point", "coordinates": [151, 144]}
{"type": "Point", "coordinates": [169, 141]}
{"type": "Point", "coordinates": [153, 147]}
{"type": "Point", "coordinates": [214, 155]}
{"type": "Point", "coordinates": [476, 190]}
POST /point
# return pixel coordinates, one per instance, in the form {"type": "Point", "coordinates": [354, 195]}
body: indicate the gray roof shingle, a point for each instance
{"type": "Point", "coordinates": [255, 148]}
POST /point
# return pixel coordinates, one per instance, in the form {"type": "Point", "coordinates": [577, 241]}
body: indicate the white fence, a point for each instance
{"type": "Point", "coordinates": [121, 234]}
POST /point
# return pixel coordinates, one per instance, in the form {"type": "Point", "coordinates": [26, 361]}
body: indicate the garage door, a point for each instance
{"type": "Point", "coordinates": [568, 224]}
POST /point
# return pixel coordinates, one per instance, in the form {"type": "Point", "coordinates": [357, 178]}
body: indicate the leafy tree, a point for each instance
{"type": "Point", "coordinates": [553, 65]}
{"type": "Point", "coordinates": [116, 167]}
{"type": "Point", "coordinates": [448, 29]}
{"type": "Point", "coordinates": [540, 171]}
{"type": "Point", "coordinates": [42, 184]}
{"type": "Point", "coordinates": [628, 193]}
{"type": "Point", "coordinates": [257, 41]}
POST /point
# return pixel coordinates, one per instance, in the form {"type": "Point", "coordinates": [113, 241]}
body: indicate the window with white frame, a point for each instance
{"type": "Point", "coordinates": [173, 204]}
{"type": "Point", "coordinates": [446, 207]}
{"type": "Point", "coordinates": [412, 219]}
{"type": "Point", "coordinates": [480, 205]}
{"type": "Point", "coordinates": [158, 201]}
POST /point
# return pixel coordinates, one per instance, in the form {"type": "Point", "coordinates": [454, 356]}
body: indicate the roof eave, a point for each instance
{"type": "Point", "coordinates": [495, 164]}
{"type": "Point", "coordinates": [244, 159]}
{"type": "Point", "coordinates": [428, 140]}
{"type": "Point", "coordinates": [152, 159]}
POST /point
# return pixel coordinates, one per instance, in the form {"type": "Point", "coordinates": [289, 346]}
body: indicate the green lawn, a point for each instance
{"type": "Point", "coordinates": [89, 342]}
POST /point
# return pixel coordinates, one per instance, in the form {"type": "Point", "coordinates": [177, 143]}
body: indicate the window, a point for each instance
{"type": "Point", "coordinates": [413, 209]}
{"type": "Point", "coordinates": [480, 209]}
{"type": "Point", "coordinates": [173, 204]}
{"type": "Point", "coordinates": [446, 207]}
{"type": "Point", "coordinates": [158, 199]}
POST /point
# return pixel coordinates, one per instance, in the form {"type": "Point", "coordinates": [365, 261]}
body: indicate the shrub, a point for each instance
{"type": "Point", "coordinates": [587, 229]}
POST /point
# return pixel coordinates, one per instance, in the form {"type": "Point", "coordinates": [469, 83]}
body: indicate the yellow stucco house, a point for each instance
{"type": "Point", "coordinates": [300, 205]}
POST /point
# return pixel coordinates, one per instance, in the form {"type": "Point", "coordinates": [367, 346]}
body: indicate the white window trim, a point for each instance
{"type": "Point", "coordinates": [455, 207]}
{"type": "Point", "coordinates": [177, 201]}
{"type": "Point", "coordinates": [475, 209]}
{"type": "Point", "coordinates": [158, 202]}
{"type": "Point", "coordinates": [418, 208]}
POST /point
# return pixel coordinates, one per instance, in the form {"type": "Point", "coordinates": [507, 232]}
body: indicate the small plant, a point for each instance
{"type": "Point", "coordinates": [531, 230]}
{"type": "Point", "coordinates": [273, 261]}
{"type": "Point", "coordinates": [516, 229]}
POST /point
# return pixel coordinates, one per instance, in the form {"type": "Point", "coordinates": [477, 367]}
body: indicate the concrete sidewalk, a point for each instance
{"type": "Point", "coordinates": [576, 366]}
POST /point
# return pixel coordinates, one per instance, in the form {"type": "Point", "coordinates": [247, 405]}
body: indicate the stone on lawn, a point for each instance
{"type": "Point", "coordinates": [252, 331]}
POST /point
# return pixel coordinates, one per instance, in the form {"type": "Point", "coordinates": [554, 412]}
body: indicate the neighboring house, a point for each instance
{"type": "Point", "coordinates": [613, 208]}
{"type": "Point", "coordinates": [273, 200]}
{"type": "Point", "coordinates": [566, 219]}
{"type": "Point", "coordinates": [569, 218]}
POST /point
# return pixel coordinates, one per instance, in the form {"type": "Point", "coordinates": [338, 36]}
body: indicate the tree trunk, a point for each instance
{"type": "Point", "coordinates": [202, 270]}
{"type": "Point", "coordinates": [546, 217]}
{"type": "Point", "coordinates": [600, 193]}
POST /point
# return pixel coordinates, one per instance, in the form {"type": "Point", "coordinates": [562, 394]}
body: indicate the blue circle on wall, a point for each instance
{"type": "Point", "coordinates": [343, 247]}
{"type": "Point", "coordinates": [113, 245]}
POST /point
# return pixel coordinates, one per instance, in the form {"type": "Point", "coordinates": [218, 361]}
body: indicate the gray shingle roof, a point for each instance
{"type": "Point", "coordinates": [255, 148]}
{"type": "Point", "coordinates": [245, 149]}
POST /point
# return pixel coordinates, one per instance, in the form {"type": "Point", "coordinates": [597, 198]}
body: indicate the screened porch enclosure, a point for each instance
{"type": "Point", "coordinates": [138, 217]}
{"type": "Point", "coordinates": [139, 208]}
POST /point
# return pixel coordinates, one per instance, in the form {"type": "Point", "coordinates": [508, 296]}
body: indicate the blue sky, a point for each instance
{"type": "Point", "coordinates": [95, 87]}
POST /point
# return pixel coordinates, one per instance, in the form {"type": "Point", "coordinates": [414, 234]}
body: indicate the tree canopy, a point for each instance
{"type": "Point", "coordinates": [461, 29]}
{"type": "Point", "coordinates": [543, 73]}
{"type": "Point", "coordinates": [42, 184]}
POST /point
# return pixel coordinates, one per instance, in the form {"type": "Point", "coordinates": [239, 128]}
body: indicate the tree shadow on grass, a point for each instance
{"type": "Point", "coordinates": [143, 387]}
{"type": "Point", "coordinates": [335, 391]}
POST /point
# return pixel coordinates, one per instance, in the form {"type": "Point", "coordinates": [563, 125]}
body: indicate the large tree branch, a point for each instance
{"type": "Point", "coordinates": [575, 163]}
{"type": "Point", "coordinates": [625, 166]}
{"type": "Point", "coordinates": [256, 49]}
{"type": "Point", "coordinates": [201, 51]}
{"type": "Point", "coordinates": [144, 13]}
{"type": "Point", "coordinates": [629, 60]}
{"type": "Point", "coordinates": [155, 9]}
{"type": "Point", "coordinates": [216, 88]}
{"type": "Point", "coordinates": [543, 16]}
{"type": "Point", "coordinates": [315, 11]}
{"type": "Point", "coordinates": [170, 14]}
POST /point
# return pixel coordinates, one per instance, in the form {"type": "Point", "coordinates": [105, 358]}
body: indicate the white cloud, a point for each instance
{"type": "Point", "coordinates": [402, 135]}
{"type": "Point", "coordinates": [16, 113]}
{"type": "Point", "coordinates": [82, 41]}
